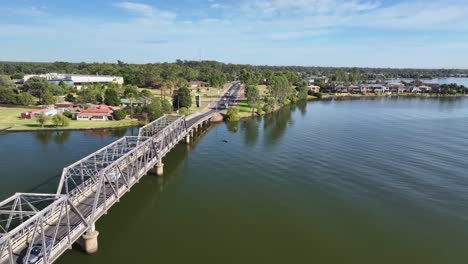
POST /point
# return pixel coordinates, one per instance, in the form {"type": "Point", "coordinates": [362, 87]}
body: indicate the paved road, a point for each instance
{"type": "Point", "coordinates": [226, 100]}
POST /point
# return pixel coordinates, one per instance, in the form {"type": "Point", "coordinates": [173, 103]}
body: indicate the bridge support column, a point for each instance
{"type": "Point", "coordinates": [187, 138]}
{"type": "Point", "coordinates": [90, 239]}
{"type": "Point", "coordinates": [159, 168]}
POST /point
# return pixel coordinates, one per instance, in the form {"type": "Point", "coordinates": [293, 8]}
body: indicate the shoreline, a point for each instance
{"type": "Point", "coordinates": [326, 97]}
{"type": "Point", "coordinates": [9, 130]}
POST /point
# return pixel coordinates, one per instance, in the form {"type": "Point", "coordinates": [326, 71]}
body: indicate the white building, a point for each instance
{"type": "Point", "coordinates": [77, 79]}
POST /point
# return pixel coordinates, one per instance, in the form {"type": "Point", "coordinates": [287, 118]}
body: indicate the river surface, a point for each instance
{"type": "Point", "coordinates": [363, 181]}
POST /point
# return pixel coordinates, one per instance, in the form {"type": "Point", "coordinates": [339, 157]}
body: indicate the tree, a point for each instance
{"type": "Point", "coordinates": [36, 86]}
{"type": "Point", "coordinates": [130, 92]}
{"type": "Point", "coordinates": [232, 114]}
{"type": "Point", "coordinates": [302, 91]}
{"type": "Point", "coordinates": [42, 119]}
{"type": "Point", "coordinates": [24, 99]}
{"type": "Point", "coordinates": [153, 110]}
{"type": "Point", "coordinates": [60, 120]}
{"type": "Point", "coordinates": [111, 97]}
{"type": "Point", "coordinates": [119, 114]}
{"type": "Point", "coordinates": [182, 98]}
{"type": "Point", "coordinates": [253, 96]}
{"type": "Point", "coordinates": [47, 97]}
{"type": "Point", "coordinates": [7, 95]}
{"type": "Point", "coordinates": [166, 106]}
{"type": "Point", "coordinates": [248, 78]}
{"type": "Point", "coordinates": [279, 88]}
{"type": "Point", "coordinates": [217, 80]}
{"type": "Point", "coordinates": [88, 96]}
{"type": "Point", "coordinates": [5, 81]}
{"type": "Point", "coordinates": [146, 94]}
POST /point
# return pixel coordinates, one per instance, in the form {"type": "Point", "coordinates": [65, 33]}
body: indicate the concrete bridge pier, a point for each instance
{"type": "Point", "coordinates": [159, 168]}
{"type": "Point", "coordinates": [90, 239]}
{"type": "Point", "coordinates": [187, 138]}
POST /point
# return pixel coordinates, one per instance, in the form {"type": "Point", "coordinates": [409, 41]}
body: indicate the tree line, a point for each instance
{"type": "Point", "coordinates": [171, 74]}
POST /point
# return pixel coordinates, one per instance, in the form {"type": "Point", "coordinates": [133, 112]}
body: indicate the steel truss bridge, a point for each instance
{"type": "Point", "coordinates": [38, 228]}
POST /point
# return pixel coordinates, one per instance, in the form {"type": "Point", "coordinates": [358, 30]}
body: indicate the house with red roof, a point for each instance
{"type": "Point", "coordinates": [96, 112]}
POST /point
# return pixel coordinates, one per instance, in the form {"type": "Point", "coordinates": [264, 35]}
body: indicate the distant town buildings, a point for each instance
{"type": "Point", "coordinates": [314, 80]}
{"type": "Point", "coordinates": [76, 80]}
{"type": "Point", "coordinates": [385, 88]}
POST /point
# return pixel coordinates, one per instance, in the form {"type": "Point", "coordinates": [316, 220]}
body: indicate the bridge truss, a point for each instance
{"type": "Point", "coordinates": [51, 223]}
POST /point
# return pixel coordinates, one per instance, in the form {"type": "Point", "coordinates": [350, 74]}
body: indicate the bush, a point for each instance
{"type": "Point", "coordinates": [119, 114]}
{"type": "Point", "coordinates": [233, 114]}
{"type": "Point", "coordinates": [60, 120]}
{"type": "Point", "coordinates": [70, 98]}
{"type": "Point", "coordinates": [286, 101]}
{"type": "Point", "coordinates": [24, 99]}
{"type": "Point", "coordinates": [138, 109]}
{"type": "Point", "coordinates": [183, 111]}
{"type": "Point", "coordinates": [68, 114]}
{"type": "Point", "coordinates": [267, 109]}
{"type": "Point", "coordinates": [318, 95]}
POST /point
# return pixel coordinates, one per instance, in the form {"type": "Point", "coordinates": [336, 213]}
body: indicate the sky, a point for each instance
{"type": "Point", "coordinates": [361, 33]}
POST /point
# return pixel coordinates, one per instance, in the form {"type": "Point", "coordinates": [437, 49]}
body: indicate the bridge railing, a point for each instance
{"type": "Point", "coordinates": [153, 128]}
{"type": "Point", "coordinates": [77, 177]}
{"type": "Point", "coordinates": [37, 220]}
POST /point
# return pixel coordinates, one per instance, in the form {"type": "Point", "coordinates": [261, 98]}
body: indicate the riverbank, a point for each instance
{"type": "Point", "coordinates": [411, 95]}
{"type": "Point", "coordinates": [11, 122]}
{"type": "Point", "coordinates": [245, 111]}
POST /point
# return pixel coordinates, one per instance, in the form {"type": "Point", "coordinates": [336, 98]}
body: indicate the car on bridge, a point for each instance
{"type": "Point", "coordinates": [36, 252]}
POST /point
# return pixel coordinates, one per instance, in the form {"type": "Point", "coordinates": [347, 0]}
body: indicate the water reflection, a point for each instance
{"type": "Point", "coordinates": [105, 133]}
{"type": "Point", "coordinates": [250, 129]}
{"type": "Point", "coordinates": [232, 126]}
{"type": "Point", "coordinates": [302, 106]}
{"type": "Point", "coordinates": [275, 124]}
{"type": "Point", "coordinates": [61, 137]}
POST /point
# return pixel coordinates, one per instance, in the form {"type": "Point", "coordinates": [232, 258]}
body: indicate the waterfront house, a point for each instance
{"type": "Point", "coordinates": [397, 88]}
{"type": "Point", "coordinates": [354, 89]}
{"type": "Point", "coordinates": [341, 89]}
{"type": "Point", "coordinates": [96, 112]}
{"type": "Point", "coordinates": [425, 88]}
{"type": "Point", "coordinates": [313, 89]}
{"type": "Point", "coordinates": [380, 89]}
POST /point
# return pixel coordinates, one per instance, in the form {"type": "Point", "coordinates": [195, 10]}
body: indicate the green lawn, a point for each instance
{"type": "Point", "coordinates": [10, 118]}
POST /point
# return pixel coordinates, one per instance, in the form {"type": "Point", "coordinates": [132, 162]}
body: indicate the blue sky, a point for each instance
{"type": "Point", "coordinates": [374, 33]}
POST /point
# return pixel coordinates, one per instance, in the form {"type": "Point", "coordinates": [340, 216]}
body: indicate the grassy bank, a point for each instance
{"type": "Point", "coordinates": [10, 121]}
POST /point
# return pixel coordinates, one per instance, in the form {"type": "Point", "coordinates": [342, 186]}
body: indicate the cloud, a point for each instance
{"type": "Point", "coordinates": [32, 11]}
{"type": "Point", "coordinates": [215, 5]}
{"type": "Point", "coordinates": [147, 14]}
{"type": "Point", "coordinates": [156, 41]}
{"type": "Point", "coordinates": [311, 6]}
